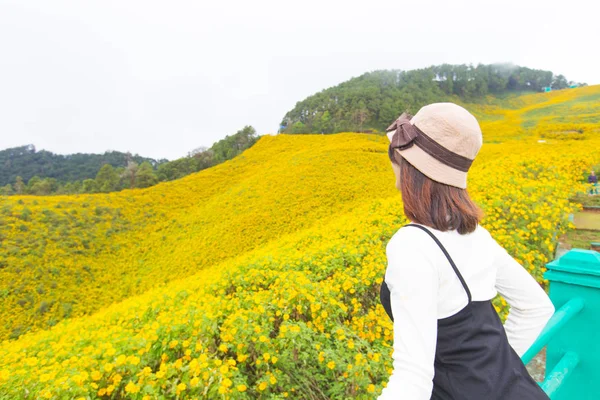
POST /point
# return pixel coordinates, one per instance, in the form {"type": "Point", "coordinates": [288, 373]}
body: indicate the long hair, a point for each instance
{"type": "Point", "coordinates": [435, 204]}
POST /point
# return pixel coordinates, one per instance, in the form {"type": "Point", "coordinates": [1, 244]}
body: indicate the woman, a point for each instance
{"type": "Point", "coordinates": [444, 269]}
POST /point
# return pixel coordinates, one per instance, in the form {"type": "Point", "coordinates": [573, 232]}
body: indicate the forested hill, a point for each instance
{"type": "Point", "coordinates": [26, 162]}
{"type": "Point", "coordinates": [23, 170]}
{"type": "Point", "coordinates": [373, 100]}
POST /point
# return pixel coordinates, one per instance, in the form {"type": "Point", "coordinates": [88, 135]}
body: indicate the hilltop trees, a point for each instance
{"type": "Point", "coordinates": [231, 146]}
{"type": "Point", "coordinates": [27, 162]}
{"type": "Point", "coordinates": [373, 100]}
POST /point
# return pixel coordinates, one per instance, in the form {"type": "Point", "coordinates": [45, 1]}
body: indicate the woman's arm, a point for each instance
{"type": "Point", "coordinates": [413, 283]}
{"type": "Point", "coordinates": [530, 307]}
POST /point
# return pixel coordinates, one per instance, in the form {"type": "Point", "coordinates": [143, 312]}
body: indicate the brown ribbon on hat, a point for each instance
{"type": "Point", "coordinates": [407, 135]}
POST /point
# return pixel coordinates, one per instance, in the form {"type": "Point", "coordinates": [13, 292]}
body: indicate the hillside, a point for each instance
{"type": "Point", "coordinates": [373, 100]}
{"type": "Point", "coordinates": [112, 246]}
{"type": "Point", "coordinates": [260, 276]}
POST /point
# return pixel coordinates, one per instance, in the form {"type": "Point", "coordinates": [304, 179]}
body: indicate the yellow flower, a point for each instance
{"type": "Point", "coordinates": [321, 356]}
{"type": "Point", "coordinates": [133, 360]}
{"type": "Point", "coordinates": [96, 375]}
{"type": "Point", "coordinates": [117, 379]}
{"type": "Point", "coordinates": [241, 388]}
{"type": "Point", "coordinates": [262, 386]}
{"type": "Point", "coordinates": [132, 388]}
{"type": "Point", "coordinates": [331, 365]}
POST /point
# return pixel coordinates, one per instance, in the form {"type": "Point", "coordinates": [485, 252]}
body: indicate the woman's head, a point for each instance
{"type": "Point", "coordinates": [434, 204]}
{"type": "Point", "coordinates": [431, 154]}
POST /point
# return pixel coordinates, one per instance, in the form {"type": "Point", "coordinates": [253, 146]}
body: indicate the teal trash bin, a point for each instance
{"type": "Point", "coordinates": [573, 353]}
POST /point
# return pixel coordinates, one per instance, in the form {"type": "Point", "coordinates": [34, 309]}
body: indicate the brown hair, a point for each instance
{"type": "Point", "coordinates": [428, 202]}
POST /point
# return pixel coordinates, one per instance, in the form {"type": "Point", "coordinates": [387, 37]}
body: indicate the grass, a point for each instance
{"type": "Point", "coordinates": [587, 200]}
{"type": "Point", "coordinates": [581, 238]}
{"type": "Point", "coordinates": [587, 221]}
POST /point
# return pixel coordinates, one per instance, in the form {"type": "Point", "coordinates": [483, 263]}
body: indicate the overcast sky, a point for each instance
{"type": "Point", "coordinates": [162, 78]}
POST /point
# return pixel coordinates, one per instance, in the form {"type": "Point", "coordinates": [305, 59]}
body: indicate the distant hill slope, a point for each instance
{"type": "Point", "coordinates": [560, 114]}
{"type": "Point", "coordinates": [26, 162]}
{"type": "Point", "coordinates": [373, 100]}
{"type": "Point", "coordinates": [111, 246]}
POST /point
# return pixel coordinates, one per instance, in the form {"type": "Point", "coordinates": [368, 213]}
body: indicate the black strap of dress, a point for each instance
{"type": "Point", "coordinates": [456, 271]}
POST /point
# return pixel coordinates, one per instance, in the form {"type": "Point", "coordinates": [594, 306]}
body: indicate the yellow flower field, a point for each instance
{"type": "Point", "coordinates": [257, 278]}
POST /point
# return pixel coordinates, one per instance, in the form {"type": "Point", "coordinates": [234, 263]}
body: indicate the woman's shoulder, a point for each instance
{"type": "Point", "coordinates": [409, 247]}
{"type": "Point", "coordinates": [411, 238]}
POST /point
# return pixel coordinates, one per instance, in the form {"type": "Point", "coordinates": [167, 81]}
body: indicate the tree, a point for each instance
{"type": "Point", "coordinates": [204, 159]}
{"type": "Point", "coordinates": [129, 174]}
{"type": "Point", "coordinates": [69, 188]}
{"type": "Point", "coordinates": [177, 168]}
{"type": "Point", "coordinates": [32, 183]}
{"type": "Point", "coordinates": [298, 127]}
{"type": "Point", "coordinates": [107, 179]}
{"type": "Point", "coordinates": [559, 82]}
{"type": "Point", "coordinates": [20, 187]}
{"type": "Point", "coordinates": [232, 145]}
{"type": "Point", "coordinates": [89, 186]}
{"type": "Point", "coordinates": [197, 150]}
{"type": "Point", "coordinates": [6, 190]}
{"type": "Point", "coordinates": [145, 176]}
{"type": "Point", "coordinates": [360, 116]}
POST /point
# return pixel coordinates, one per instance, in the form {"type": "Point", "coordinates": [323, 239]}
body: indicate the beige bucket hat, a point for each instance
{"type": "Point", "coordinates": [441, 141]}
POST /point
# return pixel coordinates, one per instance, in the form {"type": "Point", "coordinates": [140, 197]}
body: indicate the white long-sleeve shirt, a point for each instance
{"type": "Point", "coordinates": [424, 288]}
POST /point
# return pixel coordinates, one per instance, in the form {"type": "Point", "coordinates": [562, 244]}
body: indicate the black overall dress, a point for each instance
{"type": "Point", "coordinates": [473, 359]}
